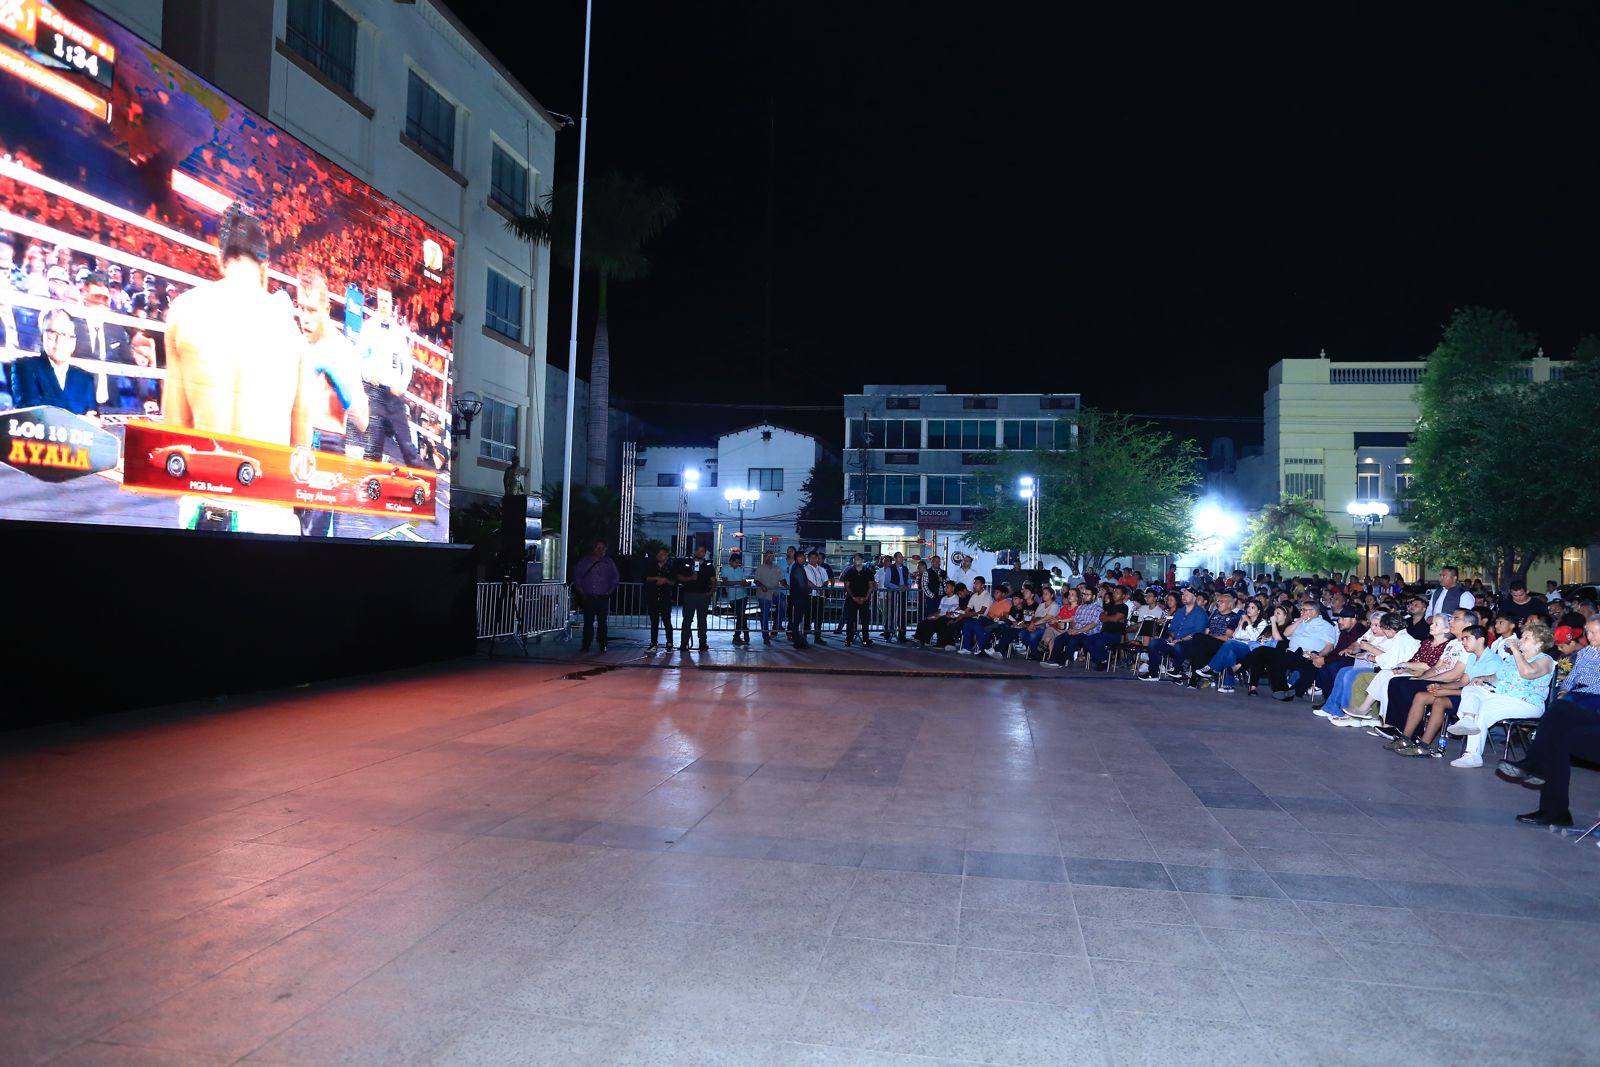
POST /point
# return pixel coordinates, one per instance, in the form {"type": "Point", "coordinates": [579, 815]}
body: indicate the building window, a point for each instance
{"type": "Point", "coordinates": [903, 403]}
{"type": "Point", "coordinates": [961, 433]}
{"type": "Point", "coordinates": [980, 403]}
{"type": "Point", "coordinates": [952, 489]}
{"type": "Point", "coordinates": [886, 433]}
{"type": "Point", "coordinates": [1574, 566]}
{"type": "Point", "coordinates": [1402, 493]}
{"type": "Point", "coordinates": [498, 439]}
{"type": "Point", "coordinates": [766, 479]}
{"type": "Point", "coordinates": [502, 311]}
{"type": "Point", "coordinates": [887, 489]}
{"type": "Point", "coordinates": [1030, 433]}
{"type": "Point", "coordinates": [431, 120]}
{"type": "Point", "coordinates": [668, 481]}
{"type": "Point", "coordinates": [1058, 403]}
{"type": "Point", "coordinates": [508, 182]}
{"type": "Point", "coordinates": [1300, 484]}
{"type": "Point", "coordinates": [1369, 481]}
{"type": "Point", "coordinates": [324, 34]}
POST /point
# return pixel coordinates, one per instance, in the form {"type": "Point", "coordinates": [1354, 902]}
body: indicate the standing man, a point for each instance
{"type": "Point", "coordinates": [699, 582]}
{"type": "Point", "coordinates": [1450, 595]}
{"type": "Point", "coordinates": [386, 373]}
{"type": "Point", "coordinates": [737, 581]}
{"type": "Point", "coordinates": [933, 587]}
{"type": "Point", "coordinates": [659, 583]}
{"type": "Point", "coordinates": [961, 569]}
{"type": "Point", "coordinates": [817, 578]}
{"type": "Point", "coordinates": [594, 579]}
{"type": "Point", "coordinates": [897, 584]}
{"type": "Point", "coordinates": [769, 582]}
{"type": "Point", "coordinates": [799, 599]}
{"type": "Point", "coordinates": [859, 585]}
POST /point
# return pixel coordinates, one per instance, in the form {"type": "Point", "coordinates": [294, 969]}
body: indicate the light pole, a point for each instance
{"type": "Point", "coordinates": [1368, 513]}
{"type": "Point", "coordinates": [1028, 488]}
{"type": "Point", "coordinates": [744, 500]}
{"type": "Point", "coordinates": [690, 482]}
{"type": "Point", "coordinates": [577, 276]}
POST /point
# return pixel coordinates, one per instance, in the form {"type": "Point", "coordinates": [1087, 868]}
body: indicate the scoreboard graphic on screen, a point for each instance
{"type": "Point", "coordinates": [203, 323]}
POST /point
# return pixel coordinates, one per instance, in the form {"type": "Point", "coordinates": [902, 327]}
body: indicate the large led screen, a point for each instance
{"type": "Point", "coordinates": [204, 324]}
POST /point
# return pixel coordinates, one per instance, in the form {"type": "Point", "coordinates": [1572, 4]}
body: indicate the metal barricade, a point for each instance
{"type": "Point", "coordinates": [535, 609]}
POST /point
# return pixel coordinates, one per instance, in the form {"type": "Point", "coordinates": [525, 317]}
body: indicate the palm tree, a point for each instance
{"type": "Point", "coordinates": [619, 215]}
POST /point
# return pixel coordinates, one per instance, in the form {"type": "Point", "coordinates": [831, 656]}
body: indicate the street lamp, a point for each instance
{"type": "Point", "coordinates": [1028, 488]}
{"type": "Point", "coordinates": [1368, 513]}
{"type": "Point", "coordinates": [744, 500]}
{"type": "Point", "coordinates": [689, 482]}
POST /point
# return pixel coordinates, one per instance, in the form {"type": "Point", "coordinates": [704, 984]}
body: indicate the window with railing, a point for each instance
{"type": "Point", "coordinates": [324, 34]}
{"type": "Point", "coordinates": [1030, 433]}
{"type": "Point", "coordinates": [498, 437]}
{"type": "Point", "coordinates": [508, 181]}
{"type": "Point", "coordinates": [1374, 375]}
{"type": "Point", "coordinates": [430, 120]}
{"type": "Point", "coordinates": [502, 310]}
{"type": "Point", "coordinates": [1299, 483]}
{"type": "Point", "coordinates": [961, 433]}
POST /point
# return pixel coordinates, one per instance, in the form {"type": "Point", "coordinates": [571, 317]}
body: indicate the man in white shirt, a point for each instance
{"type": "Point", "coordinates": [1450, 595]}
{"type": "Point", "coordinates": [818, 578]}
{"type": "Point", "coordinates": [962, 572]}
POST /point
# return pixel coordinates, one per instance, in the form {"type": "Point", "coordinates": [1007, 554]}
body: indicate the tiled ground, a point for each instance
{"type": "Point", "coordinates": [489, 863]}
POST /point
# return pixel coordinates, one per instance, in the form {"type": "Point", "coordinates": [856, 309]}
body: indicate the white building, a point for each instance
{"type": "Point", "coordinates": [768, 458]}
{"type": "Point", "coordinates": [404, 97]}
{"type": "Point", "coordinates": [1340, 432]}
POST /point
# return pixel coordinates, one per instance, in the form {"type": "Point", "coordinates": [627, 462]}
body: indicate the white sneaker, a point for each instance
{"type": "Point", "coordinates": [964, 651]}
{"type": "Point", "coordinates": [1464, 727]}
{"type": "Point", "coordinates": [1324, 712]}
{"type": "Point", "coordinates": [1469, 760]}
{"type": "Point", "coordinates": [1345, 720]}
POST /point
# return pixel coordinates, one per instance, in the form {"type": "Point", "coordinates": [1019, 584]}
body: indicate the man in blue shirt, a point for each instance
{"type": "Point", "coordinates": [1189, 622]}
{"type": "Point", "coordinates": [1220, 624]}
{"type": "Point", "coordinates": [1310, 635]}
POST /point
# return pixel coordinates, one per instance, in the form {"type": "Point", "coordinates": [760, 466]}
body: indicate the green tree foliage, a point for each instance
{"type": "Point", "coordinates": [1124, 488]}
{"type": "Point", "coordinates": [821, 500]}
{"type": "Point", "coordinates": [1295, 536]}
{"type": "Point", "coordinates": [620, 215]}
{"type": "Point", "coordinates": [1488, 490]}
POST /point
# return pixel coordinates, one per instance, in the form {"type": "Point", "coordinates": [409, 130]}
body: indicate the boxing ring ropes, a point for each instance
{"type": "Point", "coordinates": [130, 261]}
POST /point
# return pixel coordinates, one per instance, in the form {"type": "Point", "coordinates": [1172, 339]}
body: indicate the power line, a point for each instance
{"type": "Point", "coordinates": [840, 408]}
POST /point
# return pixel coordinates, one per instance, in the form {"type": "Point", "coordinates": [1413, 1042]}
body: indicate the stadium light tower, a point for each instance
{"type": "Point", "coordinates": [1028, 488]}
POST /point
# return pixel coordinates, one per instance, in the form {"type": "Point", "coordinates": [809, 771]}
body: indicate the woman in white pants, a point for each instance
{"type": "Point", "coordinates": [1518, 691]}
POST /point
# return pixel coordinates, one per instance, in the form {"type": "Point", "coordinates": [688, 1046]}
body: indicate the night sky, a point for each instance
{"type": "Point", "coordinates": [1147, 207]}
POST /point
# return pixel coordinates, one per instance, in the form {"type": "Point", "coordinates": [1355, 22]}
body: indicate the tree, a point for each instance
{"type": "Point", "coordinates": [821, 500]}
{"type": "Point", "coordinates": [1487, 490]}
{"type": "Point", "coordinates": [596, 515]}
{"type": "Point", "coordinates": [620, 215]}
{"type": "Point", "coordinates": [1122, 489]}
{"type": "Point", "coordinates": [1296, 536]}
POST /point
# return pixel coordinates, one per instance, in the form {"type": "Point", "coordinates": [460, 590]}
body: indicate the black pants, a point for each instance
{"type": "Point", "coordinates": [854, 612]}
{"type": "Point", "coordinates": [1570, 728]}
{"type": "Point", "coordinates": [1276, 664]}
{"type": "Point", "coordinates": [386, 420]}
{"type": "Point", "coordinates": [1402, 691]}
{"type": "Point", "coordinates": [695, 605]}
{"type": "Point", "coordinates": [741, 621]}
{"type": "Point", "coordinates": [660, 611]}
{"type": "Point", "coordinates": [1201, 648]}
{"type": "Point", "coordinates": [929, 630]}
{"type": "Point", "coordinates": [814, 612]}
{"type": "Point", "coordinates": [799, 615]}
{"type": "Point", "coordinates": [595, 611]}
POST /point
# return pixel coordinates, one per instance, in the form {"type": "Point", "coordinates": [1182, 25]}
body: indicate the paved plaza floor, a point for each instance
{"type": "Point", "coordinates": [538, 862]}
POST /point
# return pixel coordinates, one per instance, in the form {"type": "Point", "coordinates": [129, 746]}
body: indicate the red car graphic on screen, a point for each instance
{"type": "Point", "coordinates": [396, 485]}
{"type": "Point", "coordinates": [206, 459]}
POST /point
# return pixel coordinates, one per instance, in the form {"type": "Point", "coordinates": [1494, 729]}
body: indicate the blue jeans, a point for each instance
{"type": "Point", "coordinates": [1178, 650]}
{"type": "Point", "coordinates": [1339, 696]}
{"type": "Point", "coordinates": [1227, 656]}
{"type": "Point", "coordinates": [769, 613]}
{"type": "Point", "coordinates": [1031, 638]}
{"type": "Point", "coordinates": [975, 633]}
